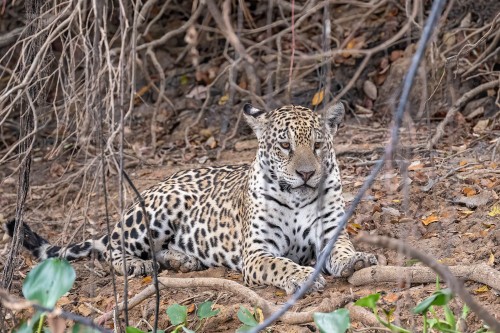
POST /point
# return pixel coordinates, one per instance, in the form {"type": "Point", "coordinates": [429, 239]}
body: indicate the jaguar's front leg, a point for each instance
{"type": "Point", "coordinates": [262, 268]}
{"type": "Point", "coordinates": [344, 260]}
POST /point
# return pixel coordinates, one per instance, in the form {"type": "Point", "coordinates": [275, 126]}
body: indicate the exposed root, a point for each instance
{"type": "Point", "coordinates": [443, 271]}
{"type": "Point", "coordinates": [292, 318]}
{"type": "Point", "coordinates": [481, 273]}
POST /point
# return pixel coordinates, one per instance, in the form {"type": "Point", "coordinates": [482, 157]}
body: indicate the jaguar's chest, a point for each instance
{"type": "Point", "coordinates": [287, 228]}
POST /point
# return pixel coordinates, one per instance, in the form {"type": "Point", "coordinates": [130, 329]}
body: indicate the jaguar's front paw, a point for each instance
{"type": "Point", "coordinates": [358, 261]}
{"type": "Point", "coordinates": [296, 280]}
{"type": "Point", "coordinates": [139, 267]}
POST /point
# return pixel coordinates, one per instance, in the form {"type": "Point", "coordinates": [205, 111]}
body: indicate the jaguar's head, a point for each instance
{"type": "Point", "coordinates": [295, 144]}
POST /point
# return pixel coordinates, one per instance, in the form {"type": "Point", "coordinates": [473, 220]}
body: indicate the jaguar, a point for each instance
{"type": "Point", "coordinates": [269, 219]}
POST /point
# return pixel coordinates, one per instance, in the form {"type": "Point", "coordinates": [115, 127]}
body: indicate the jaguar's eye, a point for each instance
{"type": "Point", "coordinates": [285, 145]}
{"type": "Point", "coordinates": [317, 145]}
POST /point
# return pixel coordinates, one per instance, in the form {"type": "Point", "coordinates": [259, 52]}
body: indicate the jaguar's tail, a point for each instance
{"type": "Point", "coordinates": [42, 249]}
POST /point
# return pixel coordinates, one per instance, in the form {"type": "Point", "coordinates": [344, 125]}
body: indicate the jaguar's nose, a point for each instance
{"type": "Point", "coordinates": [305, 175]}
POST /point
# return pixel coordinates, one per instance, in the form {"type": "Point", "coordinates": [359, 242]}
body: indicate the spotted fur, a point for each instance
{"type": "Point", "coordinates": [268, 219]}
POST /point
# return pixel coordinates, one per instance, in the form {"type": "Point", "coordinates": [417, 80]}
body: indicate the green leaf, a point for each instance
{"type": "Point", "coordinates": [333, 322]}
{"type": "Point", "coordinates": [244, 328]}
{"type": "Point", "coordinates": [450, 317]}
{"type": "Point", "coordinates": [187, 330]}
{"type": "Point", "coordinates": [440, 297]}
{"type": "Point", "coordinates": [205, 310]}
{"type": "Point", "coordinates": [369, 301]}
{"type": "Point", "coordinates": [131, 329]}
{"type": "Point", "coordinates": [246, 317]}
{"type": "Point", "coordinates": [48, 281]}
{"type": "Point", "coordinates": [177, 314]}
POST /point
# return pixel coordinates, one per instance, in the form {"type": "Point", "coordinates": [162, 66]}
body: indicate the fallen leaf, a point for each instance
{"type": "Point", "coordinates": [191, 308]}
{"type": "Point", "coordinates": [415, 165]}
{"type": "Point", "coordinates": [223, 100]}
{"type": "Point", "coordinates": [259, 315]}
{"type": "Point", "coordinates": [495, 211]}
{"type": "Point", "coordinates": [84, 310]}
{"type": "Point", "coordinates": [430, 219]}
{"type": "Point", "coordinates": [481, 126]}
{"type": "Point", "coordinates": [491, 260]}
{"type": "Point", "coordinates": [280, 293]}
{"type": "Point", "coordinates": [146, 280]}
{"type": "Point", "coordinates": [462, 163]}
{"type": "Point", "coordinates": [391, 298]}
{"type": "Point", "coordinates": [482, 289]}
{"type": "Point", "coordinates": [318, 98]}
{"type": "Point", "coordinates": [468, 191]}
{"type": "Point", "coordinates": [370, 89]}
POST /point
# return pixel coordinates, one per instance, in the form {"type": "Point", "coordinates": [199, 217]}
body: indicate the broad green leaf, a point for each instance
{"type": "Point", "coordinates": [246, 317]}
{"type": "Point", "coordinates": [369, 301]}
{"type": "Point", "coordinates": [131, 329]}
{"type": "Point", "coordinates": [205, 310]}
{"type": "Point", "coordinates": [48, 281]}
{"type": "Point", "coordinates": [333, 322]}
{"type": "Point", "coordinates": [177, 314]}
{"type": "Point", "coordinates": [440, 297]}
{"type": "Point", "coordinates": [450, 317]}
{"type": "Point", "coordinates": [244, 328]}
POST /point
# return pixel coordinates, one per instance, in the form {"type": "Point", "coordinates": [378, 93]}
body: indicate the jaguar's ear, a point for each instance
{"type": "Point", "coordinates": [256, 118]}
{"type": "Point", "coordinates": [334, 116]}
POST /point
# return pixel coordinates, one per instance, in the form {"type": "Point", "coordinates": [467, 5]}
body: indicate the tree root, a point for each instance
{"type": "Point", "coordinates": [443, 271]}
{"type": "Point", "coordinates": [292, 318]}
{"type": "Point", "coordinates": [481, 273]}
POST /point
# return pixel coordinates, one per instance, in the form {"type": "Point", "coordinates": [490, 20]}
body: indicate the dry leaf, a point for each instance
{"type": "Point", "coordinates": [495, 211]}
{"type": "Point", "coordinates": [430, 219]}
{"type": "Point", "coordinates": [223, 100]}
{"type": "Point", "coordinates": [468, 191]}
{"type": "Point", "coordinates": [482, 289]}
{"type": "Point", "coordinates": [259, 315]}
{"type": "Point", "coordinates": [391, 298]}
{"type": "Point", "coordinates": [462, 163]}
{"type": "Point", "coordinates": [147, 280]}
{"type": "Point", "coordinates": [370, 89]}
{"type": "Point", "coordinates": [280, 293]}
{"type": "Point", "coordinates": [491, 260]}
{"type": "Point", "coordinates": [318, 98]}
{"type": "Point", "coordinates": [84, 310]}
{"type": "Point", "coordinates": [191, 308]}
{"type": "Point", "coordinates": [415, 165]}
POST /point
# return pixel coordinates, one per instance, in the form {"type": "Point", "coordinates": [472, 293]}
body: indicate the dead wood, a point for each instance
{"type": "Point", "coordinates": [292, 318]}
{"type": "Point", "coordinates": [443, 271]}
{"type": "Point", "coordinates": [457, 106]}
{"type": "Point", "coordinates": [481, 273]}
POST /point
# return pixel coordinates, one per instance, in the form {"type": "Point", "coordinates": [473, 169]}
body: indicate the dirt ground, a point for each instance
{"type": "Point", "coordinates": [437, 194]}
